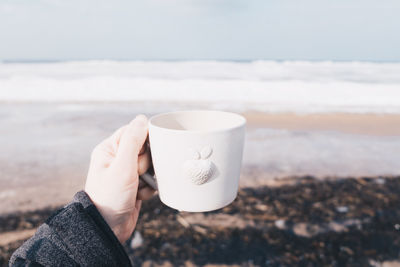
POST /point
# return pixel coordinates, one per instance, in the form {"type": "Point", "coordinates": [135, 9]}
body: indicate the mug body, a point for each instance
{"type": "Point", "coordinates": [197, 157]}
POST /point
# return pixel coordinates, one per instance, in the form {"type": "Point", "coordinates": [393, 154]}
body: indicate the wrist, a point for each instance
{"type": "Point", "coordinates": [114, 222]}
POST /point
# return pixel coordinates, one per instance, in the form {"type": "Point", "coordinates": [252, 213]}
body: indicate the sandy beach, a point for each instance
{"type": "Point", "coordinates": [362, 124]}
{"type": "Point", "coordinates": [46, 148]}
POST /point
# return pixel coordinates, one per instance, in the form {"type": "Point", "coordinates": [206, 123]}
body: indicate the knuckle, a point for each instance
{"type": "Point", "coordinates": [136, 143]}
{"type": "Point", "coordinates": [95, 152]}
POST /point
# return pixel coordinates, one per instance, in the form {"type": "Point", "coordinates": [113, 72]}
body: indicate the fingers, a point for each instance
{"type": "Point", "coordinates": [131, 142]}
{"type": "Point", "coordinates": [144, 147]}
{"type": "Point", "coordinates": [103, 152]}
{"type": "Point", "coordinates": [145, 193]}
{"type": "Point", "coordinates": [115, 138]}
{"type": "Point", "coordinates": [141, 184]}
{"type": "Point", "coordinates": [144, 162]}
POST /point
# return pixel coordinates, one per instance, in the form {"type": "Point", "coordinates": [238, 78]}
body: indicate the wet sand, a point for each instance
{"type": "Point", "coordinates": [46, 147]}
{"type": "Point", "coordinates": [363, 124]}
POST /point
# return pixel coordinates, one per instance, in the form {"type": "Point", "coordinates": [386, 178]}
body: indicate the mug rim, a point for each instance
{"type": "Point", "coordinates": [241, 124]}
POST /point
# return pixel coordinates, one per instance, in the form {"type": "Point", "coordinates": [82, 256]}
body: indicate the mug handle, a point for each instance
{"type": "Point", "coordinates": [149, 178]}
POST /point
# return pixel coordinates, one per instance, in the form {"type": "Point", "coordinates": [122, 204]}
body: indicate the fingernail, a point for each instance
{"type": "Point", "coordinates": [141, 119]}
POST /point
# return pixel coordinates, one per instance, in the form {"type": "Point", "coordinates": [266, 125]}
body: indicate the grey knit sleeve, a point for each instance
{"type": "Point", "coordinates": [76, 235]}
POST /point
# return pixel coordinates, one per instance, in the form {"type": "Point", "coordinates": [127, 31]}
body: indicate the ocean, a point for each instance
{"type": "Point", "coordinates": [326, 119]}
{"type": "Point", "coordinates": [267, 86]}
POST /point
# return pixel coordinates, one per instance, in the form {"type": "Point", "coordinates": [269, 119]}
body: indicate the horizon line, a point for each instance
{"type": "Point", "coordinates": [11, 61]}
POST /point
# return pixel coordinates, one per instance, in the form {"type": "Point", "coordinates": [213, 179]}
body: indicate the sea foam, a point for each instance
{"type": "Point", "coordinates": [304, 87]}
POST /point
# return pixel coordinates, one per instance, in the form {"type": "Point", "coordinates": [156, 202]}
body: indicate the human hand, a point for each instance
{"type": "Point", "coordinates": [113, 179]}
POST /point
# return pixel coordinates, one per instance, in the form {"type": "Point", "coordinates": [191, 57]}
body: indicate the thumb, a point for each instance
{"type": "Point", "coordinates": [131, 142]}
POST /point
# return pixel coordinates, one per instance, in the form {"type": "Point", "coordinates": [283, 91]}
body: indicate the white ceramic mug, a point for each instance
{"type": "Point", "coordinates": [197, 157]}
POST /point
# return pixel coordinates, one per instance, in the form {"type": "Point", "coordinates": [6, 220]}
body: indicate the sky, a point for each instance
{"type": "Point", "coordinates": [362, 30]}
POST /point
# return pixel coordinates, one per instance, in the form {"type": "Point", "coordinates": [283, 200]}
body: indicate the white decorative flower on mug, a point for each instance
{"type": "Point", "coordinates": [199, 169]}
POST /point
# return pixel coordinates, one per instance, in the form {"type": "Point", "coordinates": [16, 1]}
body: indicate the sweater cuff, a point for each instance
{"type": "Point", "coordinates": [88, 237]}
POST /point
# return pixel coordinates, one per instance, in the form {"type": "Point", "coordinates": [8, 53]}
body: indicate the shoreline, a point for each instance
{"type": "Point", "coordinates": [368, 123]}
{"type": "Point", "coordinates": [53, 156]}
{"type": "Point", "coordinates": [363, 124]}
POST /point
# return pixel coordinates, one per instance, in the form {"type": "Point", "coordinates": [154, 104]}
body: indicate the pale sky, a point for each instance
{"type": "Point", "coordinates": [200, 29]}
